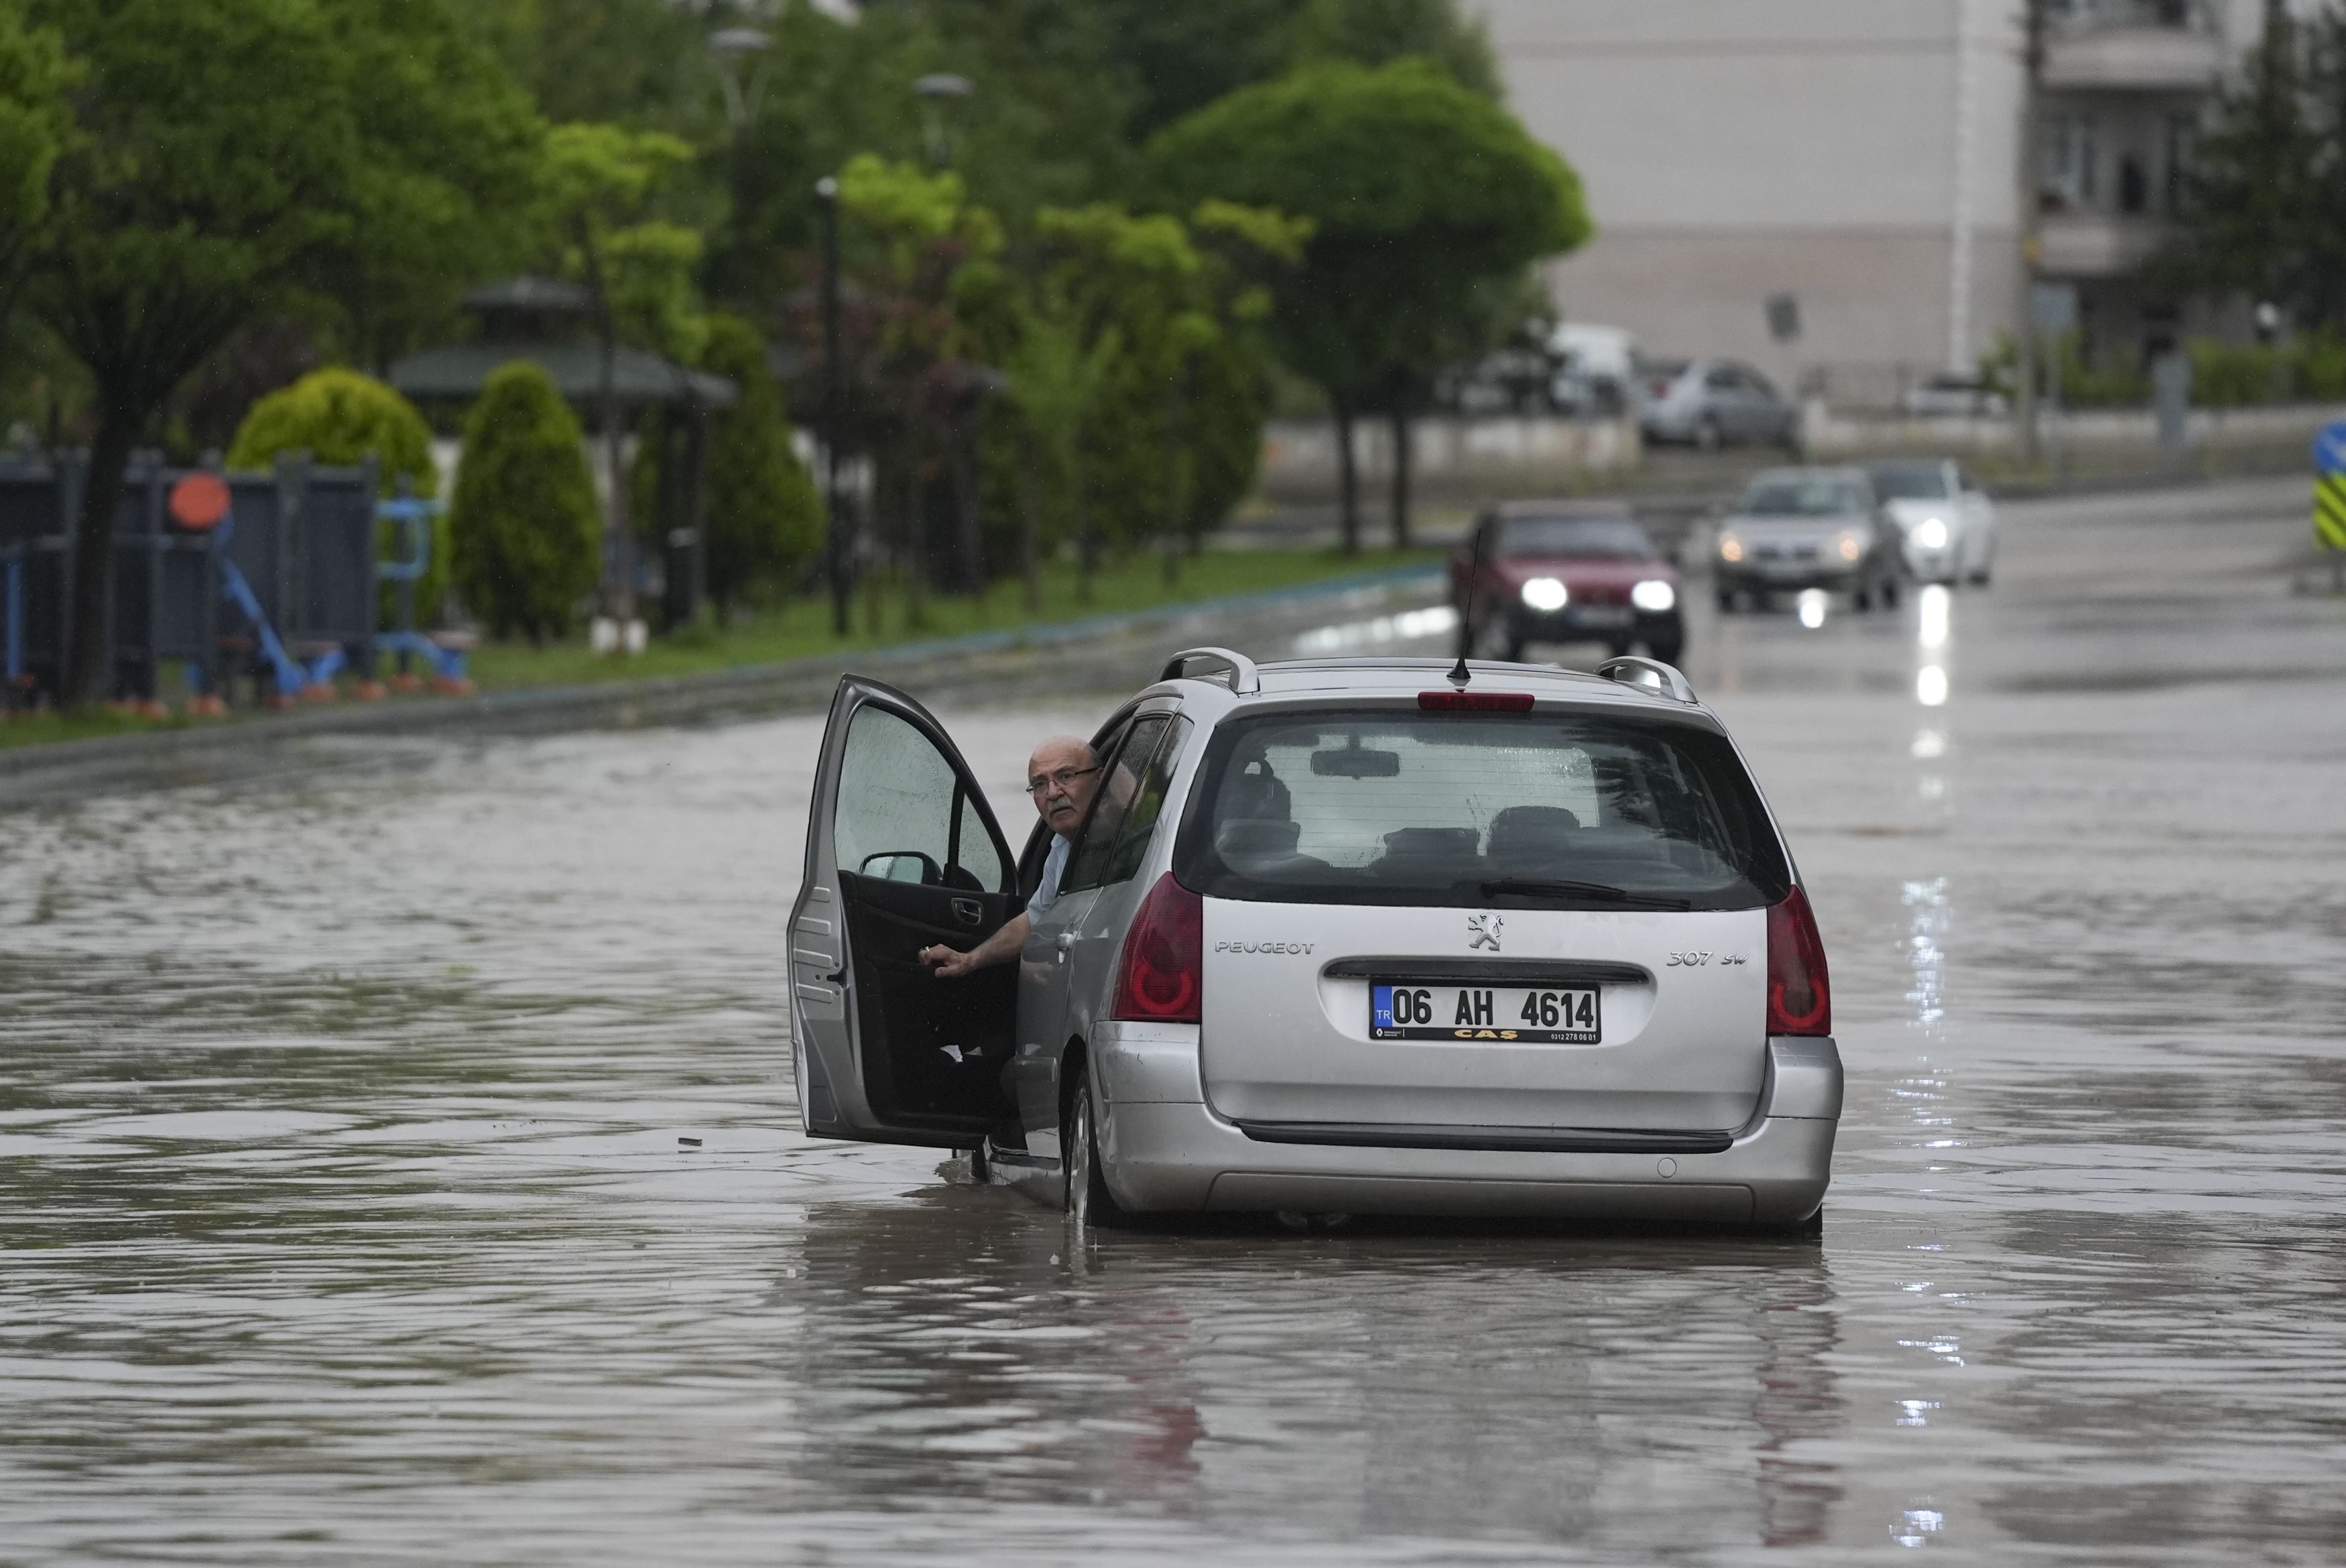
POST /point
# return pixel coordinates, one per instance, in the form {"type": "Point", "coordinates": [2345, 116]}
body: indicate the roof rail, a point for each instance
{"type": "Point", "coordinates": [1651, 673]}
{"type": "Point", "coordinates": [1245, 679]}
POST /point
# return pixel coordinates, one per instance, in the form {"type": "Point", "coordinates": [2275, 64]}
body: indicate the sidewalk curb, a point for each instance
{"type": "Point", "coordinates": [976, 658]}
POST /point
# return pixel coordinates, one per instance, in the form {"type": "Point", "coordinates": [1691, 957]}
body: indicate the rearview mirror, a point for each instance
{"type": "Point", "coordinates": [903, 866]}
{"type": "Point", "coordinates": [1353, 762]}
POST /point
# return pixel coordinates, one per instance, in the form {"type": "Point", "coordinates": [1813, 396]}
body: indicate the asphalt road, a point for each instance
{"type": "Point", "coordinates": [345, 1218]}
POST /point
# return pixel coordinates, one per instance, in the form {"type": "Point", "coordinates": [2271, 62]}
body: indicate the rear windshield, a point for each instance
{"type": "Point", "coordinates": [1909, 481]}
{"type": "Point", "coordinates": [1559, 810]}
{"type": "Point", "coordinates": [1802, 497]}
{"type": "Point", "coordinates": [1599, 538]}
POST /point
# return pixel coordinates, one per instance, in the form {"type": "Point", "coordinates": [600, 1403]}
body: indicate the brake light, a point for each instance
{"type": "Point", "coordinates": [1799, 993]}
{"type": "Point", "coordinates": [1159, 976]}
{"type": "Point", "coordinates": [1475, 701]}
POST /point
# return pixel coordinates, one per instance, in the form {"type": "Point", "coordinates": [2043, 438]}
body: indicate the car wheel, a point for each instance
{"type": "Point", "coordinates": [1860, 598]}
{"type": "Point", "coordinates": [1089, 1205]}
{"type": "Point", "coordinates": [1890, 592]}
{"type": "Point", "coordinates": [1666, 649]}
{"type": "Point", "coordinates": [1979, 578]}
{"type": "Point", "coordinates": [1726, 601]}
{"type": "Point", "coordinates": [1707, 436]}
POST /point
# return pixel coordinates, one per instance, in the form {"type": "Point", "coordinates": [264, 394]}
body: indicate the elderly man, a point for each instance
{"type": "Point", "coordinates": [1061, 779]}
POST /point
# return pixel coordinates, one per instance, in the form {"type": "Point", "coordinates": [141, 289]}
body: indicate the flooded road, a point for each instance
{"type": "Point", "coordinates": [348, 1215]}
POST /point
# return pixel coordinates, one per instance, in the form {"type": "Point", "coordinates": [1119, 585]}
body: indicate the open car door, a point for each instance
{"type": "Point", "coordinates": [902, 851]}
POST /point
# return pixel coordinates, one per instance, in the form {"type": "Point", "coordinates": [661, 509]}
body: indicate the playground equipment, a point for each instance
{"type": "Point", "coordinates": [269, 576]}
{"type": "Point", "coordinates": [411, 557]}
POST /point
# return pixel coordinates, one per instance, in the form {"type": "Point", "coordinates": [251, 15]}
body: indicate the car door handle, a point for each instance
{"type": "Point", "coordinates": [1066, 941]}
{"type": "Point", "coordinates": [969, 911]}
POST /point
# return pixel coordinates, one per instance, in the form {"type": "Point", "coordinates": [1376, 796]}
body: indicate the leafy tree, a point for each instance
{"type": "Point", "coordinates": [447, 161]}
{"type": "Point", "coordinates": [599, 184]}
{"type": "Point", "coordinates": [2264, 198]}
{"type": "Point", "coordinates": [1379, 32]}
{"type": "Point", "coordinates": [1419, 191]}
{"type": "Point", "coordinates": [339, 417]}
{"type": "Point", "coordinates": [35, 126]}
{"type": "Point", "coordinates": [525, 519]}
{"type": "Point", "coordinates": [187, 201]}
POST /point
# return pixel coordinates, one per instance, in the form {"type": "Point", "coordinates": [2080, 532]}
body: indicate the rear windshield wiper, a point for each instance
{"type": "Point", "coordinates": [1570, 890]}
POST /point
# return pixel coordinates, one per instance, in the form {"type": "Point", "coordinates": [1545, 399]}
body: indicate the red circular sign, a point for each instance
{"type": "Point", "coordinates": [199, 500]}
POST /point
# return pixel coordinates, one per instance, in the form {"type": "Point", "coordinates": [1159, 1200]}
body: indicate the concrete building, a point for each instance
{"type": "Point", "coordinates": [1864, 156]}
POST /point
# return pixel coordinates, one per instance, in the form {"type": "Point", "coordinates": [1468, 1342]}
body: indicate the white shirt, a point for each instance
{"type": "Point", "coordinates": [1054, 866]}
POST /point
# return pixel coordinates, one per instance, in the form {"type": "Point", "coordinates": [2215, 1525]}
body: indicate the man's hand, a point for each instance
{"type": "Point", "coordinates": [999, 948]}
{"type": "Point", "coordinates": [950, 965]}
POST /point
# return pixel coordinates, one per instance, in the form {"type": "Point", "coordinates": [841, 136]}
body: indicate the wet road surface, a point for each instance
{"type": "Point", "coordinates": [345, 1215]}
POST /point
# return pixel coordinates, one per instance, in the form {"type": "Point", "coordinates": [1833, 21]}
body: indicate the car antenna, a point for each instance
{"type": "Point", "coordinates": [1460, 676]}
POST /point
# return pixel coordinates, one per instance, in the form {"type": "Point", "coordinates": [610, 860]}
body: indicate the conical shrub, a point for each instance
{"type": "Point", "coordinates": [528, 537]}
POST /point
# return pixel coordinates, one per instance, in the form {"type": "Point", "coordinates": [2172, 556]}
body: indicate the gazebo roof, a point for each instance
{"type": "Point", "coordinates": [455, 374]}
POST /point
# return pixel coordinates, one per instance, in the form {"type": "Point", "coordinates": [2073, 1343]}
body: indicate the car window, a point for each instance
{"type": "Point", "coordinates": [1723, 379]}
{"type": "Point", "coordinates": [1965, 482]}
{"type": "Point", "coordinates": [1910, 481]}
{"type": "Point", "coordinates": [1415, 807]}
{"type": "Point", "coordinates": [902, 814]}
{"type": "Point", "coordinates": [1148, 805]}
{"type": "Point", "coordinates": [1121, 778]}
{"type": "Point", "coordinates": [1803, 495]}
{"type": "Point", "coordinates": [1598, 538]}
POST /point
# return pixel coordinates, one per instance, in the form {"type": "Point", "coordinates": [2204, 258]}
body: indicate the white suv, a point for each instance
{"type": "Point", "coordinates": [1366, 936]}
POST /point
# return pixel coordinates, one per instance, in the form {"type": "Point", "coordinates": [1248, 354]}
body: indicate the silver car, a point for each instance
{"type": "Point", "coordinates": [1797, 528]}
{"type": "Point", "coordinates": [1366, 936]}
{"type": "Point", "coordinates": [1946, 522]}
{"type": "Point", "coordinates": [1709, 403]}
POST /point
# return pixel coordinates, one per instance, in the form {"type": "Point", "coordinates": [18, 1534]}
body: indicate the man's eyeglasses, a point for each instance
{"type": "Point", "coordinates": [1063, 779]}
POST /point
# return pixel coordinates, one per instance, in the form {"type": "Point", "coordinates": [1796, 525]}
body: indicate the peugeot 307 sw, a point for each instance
{"type": "Point", "coordinates": [1369, 936]}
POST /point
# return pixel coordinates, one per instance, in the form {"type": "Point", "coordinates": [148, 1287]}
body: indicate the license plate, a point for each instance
{"type": "Point", "coordinates": [1601, 616]}
{"type": "Point", "coordinates": [1538, 1016]}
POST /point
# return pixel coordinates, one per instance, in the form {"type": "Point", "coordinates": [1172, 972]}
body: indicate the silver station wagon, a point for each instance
{"type": "Point", "coordinates": [1338, 937]}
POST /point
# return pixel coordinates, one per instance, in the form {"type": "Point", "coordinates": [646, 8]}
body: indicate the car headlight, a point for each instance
{"type": "Point", "coordinates": [1653, 596]}
{"type": "Point", "coordinates": [1546, 594]}
{"type": "Point", "coordinates": [1849, 544]}
{"type": "Point", "coordinates": [1730, 548]}
{"type": "Point", "coordinates": [1931, 532]}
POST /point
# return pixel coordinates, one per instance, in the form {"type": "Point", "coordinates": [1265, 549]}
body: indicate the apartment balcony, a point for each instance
{"type": "Point", "coordinates": [2134, 46]}
{"type": "Point", "coordinates": [2096, 244]}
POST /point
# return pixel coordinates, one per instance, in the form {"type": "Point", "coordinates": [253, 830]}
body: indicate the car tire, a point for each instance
{"type": "Point", "coordinates": [1979, 578]}
{"type": "Point", "coordinates": [1707, 435]}
{"type": "Point", "coordinates": [1727, 597]}
{"type": "Point", "coordinates": [1860, 598]}
{"type": "Point", "coordinates": [1089, 1204]}
{"type": "Point", "coordinates": [1668, 650]}
{"type": "Point", "coordinates": [1890, 592]}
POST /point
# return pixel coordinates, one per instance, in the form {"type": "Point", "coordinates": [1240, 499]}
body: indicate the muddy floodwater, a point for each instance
{"type": "Point", "coordinates": [398, 1164]}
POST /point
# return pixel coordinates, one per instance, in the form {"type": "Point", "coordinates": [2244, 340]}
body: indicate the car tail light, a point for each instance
{"type": "Point", "coordinates": [1159, 978]}
{"type": "Point", "coordinates": [1475, 701]}
{"type": "Point", "coordinates": [1799, 993]}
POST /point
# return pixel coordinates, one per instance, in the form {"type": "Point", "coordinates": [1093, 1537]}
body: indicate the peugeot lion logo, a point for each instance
{"type": "Point", "coordinates": [1483, 931]}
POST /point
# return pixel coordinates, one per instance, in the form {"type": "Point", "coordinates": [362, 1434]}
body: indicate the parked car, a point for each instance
{"type": "Point", "coordinates": [1709, 403]}
{"type": "Point", "coordinates": [1952, 395]}
{"type": "Point", "coordinates": [1946, 522]}
{"type": "Point", "coordinates": [1808, 528]}
{"type": "Point", "coordinates": [1336, 937]}
{"type": "Point", "coordinates": [1565, 572]}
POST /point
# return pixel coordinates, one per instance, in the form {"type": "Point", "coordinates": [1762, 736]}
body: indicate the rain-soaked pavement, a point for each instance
{"type": "Point", "coordinates": [345, 1214]}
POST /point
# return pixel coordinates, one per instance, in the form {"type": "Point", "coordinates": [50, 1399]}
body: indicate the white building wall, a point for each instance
{"type": "Point", "coordinates": [1732, 149]}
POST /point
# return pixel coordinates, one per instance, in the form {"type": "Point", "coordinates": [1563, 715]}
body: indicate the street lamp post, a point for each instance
{"type": "Point", "coordinates": [840, 542]}
{"type": "Point", "coordinates": [740, 55]}
{"type": "Point", "coordinates": [939, 91]}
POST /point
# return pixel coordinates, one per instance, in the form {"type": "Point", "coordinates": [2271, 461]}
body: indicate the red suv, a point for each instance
{"type": "Point", "coordinates": [1564, 572]}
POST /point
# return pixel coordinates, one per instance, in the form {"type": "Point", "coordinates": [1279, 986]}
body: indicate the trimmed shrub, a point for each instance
{"type": "Point", "coordinates": [340, 417]}
{"type": "Point", "coordinates": [528, 535]}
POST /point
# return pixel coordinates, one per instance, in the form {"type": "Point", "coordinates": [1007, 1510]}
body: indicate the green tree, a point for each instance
{"type": "Point", "coordinates": [35, 126]}
{"type": "Point", "coordinates": [339, 417]}
{"type": "Point", "coordinates": [1421, 191]}
{"type": "Point", "coordinates": [187, 201]}
{"type": "Point", "coordinates": [440, 190]}
{"type": "Point", "coordinates": [525, 519]}
{"type": "Point", "coordinates": [2264, 197]}
{"type": "Point", "coordinates": [600, 184]}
